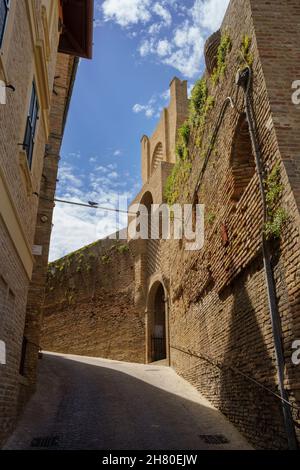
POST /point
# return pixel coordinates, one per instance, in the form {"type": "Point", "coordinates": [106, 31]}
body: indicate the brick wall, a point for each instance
{"type": "Point", "coordinates": [161, 145]}
{"type": "Point", "coordinates": [18, 66]}
{"type": "Point", "coordinates": [89, 306]}
{"type": "Point", "coordinates": [66, 68]}
{"type": "Point", "coordinates": [220, 334]}
{"type": "Point", "coordinates": [13, 294]}
{"type": "Point", "coordinates": [218, 313]}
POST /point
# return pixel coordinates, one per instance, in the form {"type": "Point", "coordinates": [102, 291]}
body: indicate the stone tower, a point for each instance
{"type": "Point", "coordinates": [160, 147]}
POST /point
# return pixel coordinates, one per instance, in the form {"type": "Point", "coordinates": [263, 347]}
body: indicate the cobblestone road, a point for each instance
{"type": "Point", "coordinates": [88, 403]}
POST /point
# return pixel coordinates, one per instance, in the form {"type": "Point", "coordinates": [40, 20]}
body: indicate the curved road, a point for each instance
{"type": "Point", "coordinates": [89, 403]}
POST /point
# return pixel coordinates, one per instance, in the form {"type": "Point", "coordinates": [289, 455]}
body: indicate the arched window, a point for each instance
{"type": "Point", "coordinates": [242, 159]}
{"type": "Point", "coordinates": [157, 157]}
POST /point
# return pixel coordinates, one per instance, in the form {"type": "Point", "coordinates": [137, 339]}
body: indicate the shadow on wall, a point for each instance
{"type": "Point", "coordinates": [249, 406]}
{"type": "Point", "coordinates": [97, 406]}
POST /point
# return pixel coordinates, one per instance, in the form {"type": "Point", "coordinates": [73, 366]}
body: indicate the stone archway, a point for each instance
{"type": "Point", "coordinates": [157, 330]}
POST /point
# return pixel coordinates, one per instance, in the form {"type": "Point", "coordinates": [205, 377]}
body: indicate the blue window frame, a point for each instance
{"type": "Point", "coordinates": [4, 7]}
{"type": "Point", "coordinates": [32, 118]}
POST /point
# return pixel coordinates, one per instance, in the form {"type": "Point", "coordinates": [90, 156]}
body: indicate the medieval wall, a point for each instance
{"type": "Point", "coordinates": [89, 306]}
{"type": "Point", "coordinates": [160, 147]}
{"type": "Point", "coordinates": [220, 328]}
{"type": "Point", "coordinates": [218, 322]}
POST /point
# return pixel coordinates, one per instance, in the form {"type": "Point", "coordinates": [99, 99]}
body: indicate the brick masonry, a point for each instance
{"type": "Point", "coordinates": [66, 69]}
{"type": "Point", "coordinates": [89, 307]}
{"type": "Point", "coordinates": [218, 306]}
{"type": "Point", "coordinates": [18, 66]}
{"type": "Point", "coordinates": [217, 316]}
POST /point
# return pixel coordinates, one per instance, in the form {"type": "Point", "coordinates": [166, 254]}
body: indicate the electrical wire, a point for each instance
{"type": "Point", "coordinates": [91, 206]}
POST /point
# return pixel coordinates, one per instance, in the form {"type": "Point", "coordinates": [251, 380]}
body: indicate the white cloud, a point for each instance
{"type": "Point", "coordinates": [126, 12]}
{"type": "Point", "coordinates": [163, 47]}
{"type": "Point", "coordinates": [183, 50]}
{"type": "Point", "coordinates": [76, 226]}
{"type": "Point", "coordinates": [163, 13]}
{"type": "Point", "coordinates": [146, 47]}
{"type": "Point", "coordinates": [148, 109]}
{"type": "Point", "coordinates": [154, 106]}
{"type": "Point", "coordinates": [190, 88]}
{"type": "Point", "coordinates": [117, 153]}
{"type": "Point", "coordinates": [165, 95]}
{"type": "Point", "coordinates": [155, 28]}
{"type": "Point", "coordinates": [188, 49]}
{"type": "Point", "coordinates": [66, 176]}
{"type": "Point", "coordinates": [209, 13]}
{"type": "Point", "coordinates": [185, 28]}
{"type": "Point", "coordinates": [113, 175]}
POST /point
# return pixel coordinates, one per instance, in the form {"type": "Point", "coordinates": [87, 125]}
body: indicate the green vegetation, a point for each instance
{"type": "Point", "coordinates": [274, 187]}
{"type": "Point", "coordinates": [246, 55]}
{"type": "Point", "coordinates": [273, 228]}
{"type": "Point", "coordinates": [179, 174]}
{"type": "Point", "coordinates": [200, 104]}
{"type": "Point", "coordinates": [277, 216]}
{"type": "Point", "coordinates": [223, 50]}
{"type": "Point", "coordinates": [210, 217]}
{"type": "Point", "coordinates": [123, 249]}
{"type": "Point", "coordinates": [183, 137]}
{"type": "Point", "coordinates": [105, 259]}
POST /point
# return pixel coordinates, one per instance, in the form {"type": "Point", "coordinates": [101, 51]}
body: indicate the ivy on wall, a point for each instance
{"type": "Point", "coordinates": [82, 261]}
{"type": "Point", "coordinates": [223, 50]}
{"type": "Point", "coordinates": [246, 56]}
{"type": "Point", "coordinates": [200, 104]}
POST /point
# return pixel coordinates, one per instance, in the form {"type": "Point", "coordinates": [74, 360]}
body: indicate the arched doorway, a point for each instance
{"type": "Point", "coordinates": [157, 331]}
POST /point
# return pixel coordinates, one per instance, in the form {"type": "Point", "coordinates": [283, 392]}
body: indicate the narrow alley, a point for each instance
{"type": "Point", "coordinates": [90, 403]}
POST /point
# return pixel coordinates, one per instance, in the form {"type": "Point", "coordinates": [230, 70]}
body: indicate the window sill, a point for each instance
{"type": "Point", "coordinates": [26, 174]}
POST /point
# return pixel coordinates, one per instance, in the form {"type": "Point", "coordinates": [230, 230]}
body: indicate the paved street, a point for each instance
{"type": "Point", "coordinates": [89, 403]}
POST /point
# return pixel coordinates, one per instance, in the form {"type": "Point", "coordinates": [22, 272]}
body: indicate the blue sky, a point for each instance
{"type": "Point", "coordinates": [139, 46]}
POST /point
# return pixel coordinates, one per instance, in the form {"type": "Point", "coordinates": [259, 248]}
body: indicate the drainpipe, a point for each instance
{"type": "Point", "coordinates": [244, 80]}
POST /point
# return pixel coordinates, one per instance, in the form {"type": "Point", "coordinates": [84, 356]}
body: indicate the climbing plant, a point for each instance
{"type": "Point", "coordinates": [277, 216]}
{"type": "Point", "coordinates": [200, 104]}
{"type": "Point", "coordinates": [122, 248]}
{"type": "Point", "coordinates": [223, 50]}
{"type": "Point", "coordinates": [245, 51]}
{"type": "Point", "coordinates": [210, 217]}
